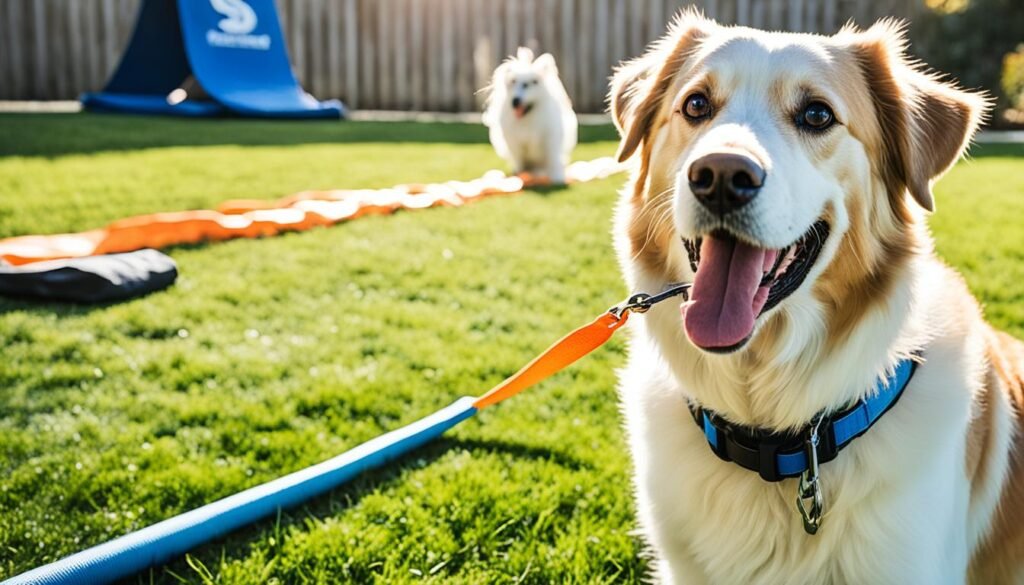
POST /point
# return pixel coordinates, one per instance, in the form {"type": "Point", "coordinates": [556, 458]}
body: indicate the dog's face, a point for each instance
{"type": "Point", "coordinates": [775, 167]}
{"type": "Point", "coordinates": [524, 80]}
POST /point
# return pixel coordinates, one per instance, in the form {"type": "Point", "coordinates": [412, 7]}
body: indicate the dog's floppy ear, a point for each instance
{"type": "Point", "coordinates": [625, 87]}
{"type": "Point", "coordinates": [638, 86]}
{"type": "Point", "coordinates": [926, 123]}
{"type": "Point", "coordinates": [545, 64]}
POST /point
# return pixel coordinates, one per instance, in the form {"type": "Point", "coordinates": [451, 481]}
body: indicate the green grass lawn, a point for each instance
{"type": "Point", "coordinates": [270, 355]}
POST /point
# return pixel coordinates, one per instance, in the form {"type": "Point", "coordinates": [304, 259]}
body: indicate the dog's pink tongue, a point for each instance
{"type": "Point", "coordinates": [726, 297]}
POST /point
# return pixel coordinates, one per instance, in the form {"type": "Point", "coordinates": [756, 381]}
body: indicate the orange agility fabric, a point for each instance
{"type": "Point", "coordinates": [259, 218]}
{"type": "Point", "coordinates": [556, 358]}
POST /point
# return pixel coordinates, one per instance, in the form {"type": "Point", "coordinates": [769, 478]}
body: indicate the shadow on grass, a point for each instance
{"type": "Point", "coordinates": [63, 309]}
{"type": "Point", "coordinates": [548, 190]}
{"type": "Point", "coordinates": [62, 134]}
{"type": "Point", "coordinates": [334, 502]}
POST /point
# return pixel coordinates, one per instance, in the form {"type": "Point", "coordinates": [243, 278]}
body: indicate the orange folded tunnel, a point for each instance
{"type": "Point", "coordinates": [258, 218]}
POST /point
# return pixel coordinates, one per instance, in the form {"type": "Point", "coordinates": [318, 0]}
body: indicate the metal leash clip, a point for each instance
{"type": "Point", "coordinates": [809, 500]}
{"type": "Point", "coordinates": [642, 302]}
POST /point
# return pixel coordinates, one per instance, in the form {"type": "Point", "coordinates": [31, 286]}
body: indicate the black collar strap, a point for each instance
{"type": "Point", "coordinates": [776, 456]}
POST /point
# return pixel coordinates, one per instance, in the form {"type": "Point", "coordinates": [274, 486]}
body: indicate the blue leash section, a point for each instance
{"type": "Point", "coordinates": [173, 537]}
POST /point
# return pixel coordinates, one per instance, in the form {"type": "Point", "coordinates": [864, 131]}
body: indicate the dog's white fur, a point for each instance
{"type": "Point", "coordinates": [913, 501]}
{"type": "Point", "coordinates": [540, 142]}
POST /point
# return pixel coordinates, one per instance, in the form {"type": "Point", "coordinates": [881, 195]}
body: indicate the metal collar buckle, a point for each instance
{"type": "Point", "coordinates": [810, 501]}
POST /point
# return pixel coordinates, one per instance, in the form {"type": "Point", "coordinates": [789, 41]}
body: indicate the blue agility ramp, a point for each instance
{"type": "Point", "coordinates": [231, 52]}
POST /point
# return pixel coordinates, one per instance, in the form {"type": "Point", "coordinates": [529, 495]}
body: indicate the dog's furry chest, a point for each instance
{"type": "Point", "coordinates": [530, 137]}
{"type": "Point", "coordinates": [898, 501]}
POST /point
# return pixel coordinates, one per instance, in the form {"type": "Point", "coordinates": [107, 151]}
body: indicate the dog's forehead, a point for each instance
{"type": "Point", "coordinates": [524, 72]}
{"type": "Point", "coordinates": [745, 57]}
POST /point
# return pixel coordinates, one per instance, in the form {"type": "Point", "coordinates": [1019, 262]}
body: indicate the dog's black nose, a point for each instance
{"type": "Point", "coordinates": [516, 102]}
{"type": "Point", "coordinates": [725, 181]}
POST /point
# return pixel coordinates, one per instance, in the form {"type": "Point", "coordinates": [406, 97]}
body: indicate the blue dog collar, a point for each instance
{"type": "Point", "coordinates": [776, 456]}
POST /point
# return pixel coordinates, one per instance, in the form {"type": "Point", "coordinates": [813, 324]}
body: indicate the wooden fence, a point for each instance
{"type": "Point", "coordinates": [400, 54]}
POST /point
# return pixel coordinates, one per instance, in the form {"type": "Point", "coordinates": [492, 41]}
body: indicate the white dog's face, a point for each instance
{"type": "Point", "coordinates": [524, 80]}
{"type": "Point", "coordinates": [522, 86]}
{"type": "Point", "coordinates": [779, 163]}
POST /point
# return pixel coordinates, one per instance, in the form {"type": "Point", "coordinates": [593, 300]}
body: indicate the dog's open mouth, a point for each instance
{"type": "Point", "coordinates": [736, 282]}
{"type": "Point", "coordinates": [521, 110]}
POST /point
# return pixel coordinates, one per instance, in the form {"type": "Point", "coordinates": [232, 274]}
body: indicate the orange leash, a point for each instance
{"type": "Point", "coordinates": [556, 358]}
{"type": "Point", "coordinates": [575, 345]}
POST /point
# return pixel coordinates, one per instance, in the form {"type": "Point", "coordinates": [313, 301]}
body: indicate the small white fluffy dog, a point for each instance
{"type": "Point", "coordinates": [532, 124]}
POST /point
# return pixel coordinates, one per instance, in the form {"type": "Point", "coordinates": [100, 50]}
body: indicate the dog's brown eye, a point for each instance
{"type": "Point", "coordinates": [816, 116]}
{"type": "Point", "coordinates": [697, 106]}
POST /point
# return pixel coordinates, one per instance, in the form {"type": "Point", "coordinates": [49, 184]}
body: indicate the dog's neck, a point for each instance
{"type": "Point", "coordinates": [790, 371]}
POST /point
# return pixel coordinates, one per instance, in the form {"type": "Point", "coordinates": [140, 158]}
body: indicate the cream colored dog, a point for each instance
{"type": "Point", "coordinates": [531, 120]}
{"type": "Point", "coordinates": [787, 176]}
